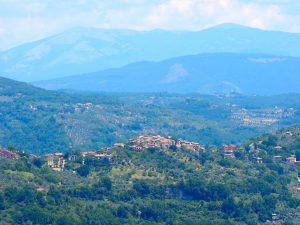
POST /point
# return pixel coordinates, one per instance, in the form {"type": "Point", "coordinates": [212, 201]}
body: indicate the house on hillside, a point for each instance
{"type": "Point", "coordinates": [278, 147]}
{"type": "Point", "coordinates": [228, 148]}
{"type": "Point", "coordinates": [4, 153]}
{"type": "Point", "coordinates": [72, 157]}
{"type": "Point", "coordinates": [192, 146]}
{"type": "Point", "coordinates": [103, 157]}
{"type": "Point", "coordinates": [119, 145]}
{"type": "Point", "coordinates": [55, 161]}
{"type": "Point", "coordinates": [89, 153]}
{"type": "Point", "coordinates": [32, 156]}
{"type": "Point", "coordinates": [277, 158]}
{"type": "Point", "coordinates": [136, 148]}
{"type": "Point", "coordinates": [258, 160]}
{"type": "Point", "coordinates": [59, 155]}
{"type": "Point", "coordinates": [228, 151]}
{"type": "Point", "coordinates": [96, 156]}
{"type": "Point", "coordinates": [291, 160]}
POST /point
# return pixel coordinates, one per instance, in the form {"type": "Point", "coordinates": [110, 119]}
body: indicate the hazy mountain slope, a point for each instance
{"type": "Point", "coordinates": [204, 73]}
{"type": "Point", "coordinates": [83, 50]}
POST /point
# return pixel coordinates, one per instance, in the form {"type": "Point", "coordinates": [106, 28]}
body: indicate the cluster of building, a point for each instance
{"type": "Point", "coordinates": [292, 160]}
{"type": "Point", "coordinates": [228, 151]}
{"type": "Point", "coordinates": [143, 142]}
{"type": "Point", "coordinates": [4, 153]}
{"type": "Point", "coordinates": [95, 155]}
{"type": "Point", "coordinates": [261, 117]}
{"type": "Point", "coordinates": [192, 146]}
{"type": "Point", "coordinates": [87, 106]}
{"type": "Point", "coordinates": [58, 160]}
{"type": "Point", "coordinates": [55, 161]}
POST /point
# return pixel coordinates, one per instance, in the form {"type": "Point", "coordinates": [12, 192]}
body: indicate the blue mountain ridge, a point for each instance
{"type": "Point", "coordinates": [203, 73]}
{"type": "Point", "coordinates": [83, 50]}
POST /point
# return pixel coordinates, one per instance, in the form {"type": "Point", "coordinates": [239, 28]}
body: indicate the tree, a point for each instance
{"type": "Point", "coordinates": [122, 212]}
{"type": "Point", "coordinates": [107, 183]}
{"type": "Point", "coordinates": [83, 171]}
{"type": "Point", "coordinates": [38, 162]}
{"type": "Point", "coordinates": [141, 187]}
{"type": "Point", "coordinates": [2, 203]}
{"type": "Point", "coordinates": [33, 215]}
{"type": "Point", "coordinates": [298, 155]}
{"type": "Point", "coordinates": [229, 206]}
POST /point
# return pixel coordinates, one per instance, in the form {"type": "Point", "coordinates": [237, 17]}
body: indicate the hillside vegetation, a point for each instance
{"type": "Point", "coordinates": [155, 186]}
{"type": "Point", "coordinates": [39, 121]}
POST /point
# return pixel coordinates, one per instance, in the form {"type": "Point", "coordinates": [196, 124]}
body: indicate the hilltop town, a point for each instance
{"type": "Point", "coordinates": [58, 160]}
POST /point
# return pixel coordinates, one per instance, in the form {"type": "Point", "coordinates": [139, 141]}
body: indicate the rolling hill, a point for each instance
{"type": "Point", "coordinates": [41, 121]}
{"type": "Point", "coordinates": [155, 186]}
{"type": "Point", "coordinates": [204, 73]}
{"type": "Point", "coordinates": [83, 50]}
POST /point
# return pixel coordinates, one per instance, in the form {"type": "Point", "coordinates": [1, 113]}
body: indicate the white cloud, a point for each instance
{"type": "Point", "coordinates": [23, 21]}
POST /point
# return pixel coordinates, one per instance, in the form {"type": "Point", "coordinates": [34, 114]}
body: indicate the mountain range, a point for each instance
{"type": "Point", "coordinates": [204, 73]}
{"type": "Point", "coordinates": [85, 50]}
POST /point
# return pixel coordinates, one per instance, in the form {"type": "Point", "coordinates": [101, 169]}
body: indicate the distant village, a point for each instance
{"type": "Point", "coordinates": [229, 150]}
{"type": "Point", "coordinates": [143, 142]}
{"type": "Point", "coordinates": [57, 161]}
{"type": "Point", "coordinates": [260, 117]}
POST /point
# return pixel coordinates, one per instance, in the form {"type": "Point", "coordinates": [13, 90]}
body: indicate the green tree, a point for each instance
{"type": "Point", "coordinates": [83, 171]}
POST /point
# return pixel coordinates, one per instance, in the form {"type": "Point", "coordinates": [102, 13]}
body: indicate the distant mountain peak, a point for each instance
{"type": "Point", "coordinates": [85, 49]}
{"type": "Point", "coordinates": [231, 26]}
{"type": "Point", "coordinates": [204, 73]}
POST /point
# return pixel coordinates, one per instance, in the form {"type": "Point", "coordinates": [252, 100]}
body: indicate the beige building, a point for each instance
{"type": "Point", "coordinates": [55, 161]}
{"type": "Point", "coordinates": [144, 142]}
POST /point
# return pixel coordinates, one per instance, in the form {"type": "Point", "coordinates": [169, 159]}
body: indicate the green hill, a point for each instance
{"type": "Point", "coordinates": [284, 143]}
{"type": "Point", "coordinates": [39, 121]}
{"type": "Point", "coordinates": [171, 186]}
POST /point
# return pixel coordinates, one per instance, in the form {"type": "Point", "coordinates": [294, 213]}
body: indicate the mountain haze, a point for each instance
{"type": "Point", "coordinates": [203, 73]}
{"type": "Point", "coordinates": [83, 50]}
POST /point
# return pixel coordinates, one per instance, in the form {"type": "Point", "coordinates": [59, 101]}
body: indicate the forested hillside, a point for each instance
{"type": "Point", "coordinates": [38, 121]}
{"type": "Point", "coordinates": [280, 144]}
{"type": "Point", "coordinates": [154, 186]}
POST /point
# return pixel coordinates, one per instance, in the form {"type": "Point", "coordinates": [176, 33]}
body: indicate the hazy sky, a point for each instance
{"type": "Point", "coordinates": [26, 20]}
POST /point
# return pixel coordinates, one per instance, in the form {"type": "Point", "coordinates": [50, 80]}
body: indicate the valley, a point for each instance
{"type": "Point", "coordinates": [40, 121]}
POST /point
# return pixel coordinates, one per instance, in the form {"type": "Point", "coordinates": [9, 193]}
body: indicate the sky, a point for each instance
{"type": "Point", "coordinates": [23, 21]}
